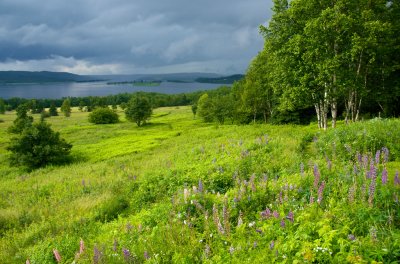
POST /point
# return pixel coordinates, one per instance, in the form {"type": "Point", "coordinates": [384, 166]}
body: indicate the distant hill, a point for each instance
{"type": "Point", "coordinates": [39, 77]}
{"type": "Point", "coordinates": [221, 80]}
{"type": "Point", "coordinates": [46, 77]}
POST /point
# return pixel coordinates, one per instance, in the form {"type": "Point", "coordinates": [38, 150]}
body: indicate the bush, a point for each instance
{"type": "Point", "coordinates": [37, 146]}
{"type": "Point", "coordinates": [103, 116]}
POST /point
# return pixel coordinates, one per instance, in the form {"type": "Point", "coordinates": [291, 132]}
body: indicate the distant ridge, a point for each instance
{"type": "Point", "coordinates": [221, 80]}
{"type": "Point", "coordinates": [39, 77]}
{"type": "Point", "coordinates": [9, 77]}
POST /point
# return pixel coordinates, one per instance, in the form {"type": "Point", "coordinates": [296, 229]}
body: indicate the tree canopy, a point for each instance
{"type": "Point", "coordinates": [138, 110]}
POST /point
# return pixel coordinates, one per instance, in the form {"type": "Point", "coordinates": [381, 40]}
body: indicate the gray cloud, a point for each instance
{"type": "Point", "coordinates": [126, 36]}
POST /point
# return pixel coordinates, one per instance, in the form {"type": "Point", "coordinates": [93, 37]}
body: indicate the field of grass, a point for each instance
{"type": "Point", "coordinates": [181, 191]}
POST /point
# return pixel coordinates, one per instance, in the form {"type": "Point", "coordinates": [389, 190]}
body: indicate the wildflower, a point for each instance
{"type": "Point", "coordinates": [146, 255]}
{"type": "Point", "coordinates": [81, 246]}
{"type": "Point", "coordinates": [255, 244]}
{"type": "Point", "coordinates": [186, 194]}
{"type": "Point", "coordinates": [251, 224]}
{"type": "Point", "coordinates": [225, 213]}
{"type": "Point", "coordinates": [351, 237]}
{"type": "Point", "coordinates": [217, 221]}
{"type": "Point", "coordinates": [321, 192]}
{"type": "Point", "coordinates": [240, 219]}
{"type": "Point", "coordinates": [200, 188]}
{"type": "Point", "coordinates": [127, 254]}
{"type": "Point", "coordinates": [259, 231]}
{"type": "Point", "coordinates": [96, 255]}
{"type": "Point", "coordinates": [385, 154]}
{"type": "Point", "coordinates": [302, 169]}
{"type": "Point", "coordinates": [276, 214]}
{"type": "Point", "coordinates": [129, 227]}
{"type": "Point", "coordinates": [272, 245]}
{"type": "Point", "coordinates": [355, 170]}
{"type": "Point", "coordinates": [329, 163]}
{"type": "Point", "coordinates": [252, 182]}
{"type": "Point", "coordinates": [359, 157]}
{"type": "Point", "coordinates": [396, 179]}
{"type": "Point", "coordinates": [27, 261]}
{"type": "Point", "coordinates": [365, 161]}
{"type": "Point", "coordinates": [83, 183]}
{"type": "Point", "coordinates": [266, 213]}
{"type": "Point", "coordinates": [231, 250]}
{"type": "Point", "coordinates": [283, 223]}
{"type": "Point", "coordinates": [377, 156]}
{"type": "Point", "coordinates": [372, 190]}
{"type": "Point", "coordinates": [373, 234]}
{"type": "Point", "coordinates": [317, 176]}
{"type": "Point", "coordinates": [290, 216]}
{"type": "Point", "coordinates": [352, 191]}
{"type": "Point", "coordinates": [207, 250]}
{"type": "Point", "coordinates": [384, 176]}
{"type": "Point", "coordinates": [115, 245]}
{"type": "Point", "coordinates": [57, 255]}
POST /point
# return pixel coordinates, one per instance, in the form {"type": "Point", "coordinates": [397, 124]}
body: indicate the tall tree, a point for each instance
{"type": "Point", "coordinates": [66, 107]}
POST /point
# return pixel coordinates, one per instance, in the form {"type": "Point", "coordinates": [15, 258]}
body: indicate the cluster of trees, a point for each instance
{"type": "Point", "coordinates": [340, 56]}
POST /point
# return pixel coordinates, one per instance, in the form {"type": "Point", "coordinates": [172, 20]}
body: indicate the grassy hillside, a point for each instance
{"type": "Point", "coordinates": [181, 191]}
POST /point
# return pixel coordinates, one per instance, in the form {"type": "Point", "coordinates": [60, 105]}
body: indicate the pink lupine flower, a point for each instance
{"type": "Point", "coordinates": [384, 176]}
{"type": "Point", "coordinates": [57, 255]}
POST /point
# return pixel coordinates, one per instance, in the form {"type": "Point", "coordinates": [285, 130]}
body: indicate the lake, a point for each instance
{"type": "Point", "coordinates": [81, 89]}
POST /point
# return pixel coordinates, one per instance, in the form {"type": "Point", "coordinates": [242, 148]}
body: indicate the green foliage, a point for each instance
{"type": "Point", "coordinates": [138, 110]}
{"type": "Point", "coordinates": [103, 116]}
{"type": "Point", "coordinates": [66, 107]}
{"type": "Point", "coordinates": [37, 146]}
{"type": "Point", "coordinates": [53, 110]}
{"type": "Point", "coordinates": [2, 106]}
{"type": "Point", "coordinates": [190, 192]}
{"type": "Point", "coordinates": [194, 109]}
{"type": "Point", "coordinates": [22, 121]}
{"type": "Point", "coordinates": [205, 108]}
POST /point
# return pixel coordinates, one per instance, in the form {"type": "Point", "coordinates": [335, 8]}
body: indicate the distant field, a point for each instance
{"type": "Point", "coordinates": [181, 191]}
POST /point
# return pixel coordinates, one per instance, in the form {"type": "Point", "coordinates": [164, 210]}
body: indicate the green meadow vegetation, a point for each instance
{"type": "Point", "coordinates": [178, 190]}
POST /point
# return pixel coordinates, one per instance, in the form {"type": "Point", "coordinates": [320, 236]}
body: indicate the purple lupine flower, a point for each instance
{"type": "Point", "coordinates": [365, 161]}
{"type": "Point", "coordinates": [302, 169]}
{"type": "Point", "coordinates": [252, 182]}
{"type": "Point", "coordinates": [385, 154]}
{"type": "Point", "coordinates": [200, 188]}
{"type": "Point", "coordinates": [283, 223]}
{"type": "Point", "coordinates": [329, 163]}
{"type": "Point", "coordinates": [127, 254]}
{"type": "Point", "coordinates": [276, 214]}
{"type": "Point", "coordinates": [266, 214]}
{"type": "Point", "coordinates": [115, 245]}
{"type": "Point", "coordinates": [372, 171]}
{"type": "Point", "coordinates": [384, 176]}
{"type": "Point", "coordinates": [355, 169]}
{"type": "Point", "coordinates": [272, 245]}
{"type": "Point", "coordinates": [372, 190]}
{"type": "Point", "coordinates": [129, 227]}
{"type": "Point", "coordinates": [317, 175]}
{"type": "Point", "coordinates": [259, 231]}
{"type": "Point", "coordinates": [377, 156]}
{"type": "Point", "coordinates": [351, 237]}
{"type": "Point", "coordinates": [321, 192]}
{"type": "Point", "coordinates": [396, 179]}
{"type": "Point", "coordinates": [352, 192]}
{"type": "Point", "coordinates": [146, 255]}
{"type": "Point", "coordinates": [359, 158]}
{"type": "Point", "coordinates": [83, 183]}
{"type": "Point", "coordinates": [280, 197]}
{"type": "Point", "coordinates": [217, 220]}
{"type": "Point", "coordinates": [290, 216]}
{"type": "Point", "coordinates": [96, 255]}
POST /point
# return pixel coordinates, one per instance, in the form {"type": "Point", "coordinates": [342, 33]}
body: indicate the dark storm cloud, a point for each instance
{"type": "Point", "coordinates": [111, 36]}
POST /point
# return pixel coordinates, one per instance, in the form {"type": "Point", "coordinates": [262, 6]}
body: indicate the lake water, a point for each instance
{"type": "Point", "coordinates": [59, 90]}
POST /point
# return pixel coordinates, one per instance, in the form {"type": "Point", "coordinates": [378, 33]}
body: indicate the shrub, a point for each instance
{"type": "Point", "coordinates": [103, 116]}
{"type": "Point", "coordinates": [37, 146]}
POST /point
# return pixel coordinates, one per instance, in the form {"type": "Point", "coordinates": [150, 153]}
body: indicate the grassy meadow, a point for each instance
{"type": "Point", "coordinates": [178, 190]}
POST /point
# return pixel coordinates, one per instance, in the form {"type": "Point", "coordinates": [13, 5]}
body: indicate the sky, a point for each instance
{"type": "Point", "coordinates": [131, 36]}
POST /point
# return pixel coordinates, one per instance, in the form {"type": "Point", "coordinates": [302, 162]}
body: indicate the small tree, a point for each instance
{"type": "Point", "coordinates": [53, 110]}
{"type": "Point", "coordinates": [22, 121]}
{"type": "Point", "coordinates": [138, 110]}
{"type": "Point", "coordinates": [37, 146]}
{"type": "Point", "coordinates": [194, 109]}
{"type": "Point", "coordinates": [103, 116]}
{"type": "Point", "coordinates": [66, 107]}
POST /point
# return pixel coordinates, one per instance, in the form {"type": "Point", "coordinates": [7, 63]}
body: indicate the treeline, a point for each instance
{"type": "Point", "coordinates": [91, 102]}
{"type": "Point", "coordinates": [338, 56]}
